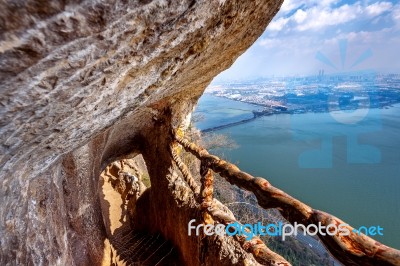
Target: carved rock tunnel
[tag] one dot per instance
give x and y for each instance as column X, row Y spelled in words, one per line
column 145, row 228
column 152, row 228
column 122, row 183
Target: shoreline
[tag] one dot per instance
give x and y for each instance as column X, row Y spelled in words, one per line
column 291, row 112
column 211, row 129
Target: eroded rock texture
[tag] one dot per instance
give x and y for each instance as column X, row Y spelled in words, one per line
column 84, row 83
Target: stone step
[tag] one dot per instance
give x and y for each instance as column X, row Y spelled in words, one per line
column 142, row 248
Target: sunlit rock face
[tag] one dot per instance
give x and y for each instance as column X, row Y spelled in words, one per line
column 86, row 82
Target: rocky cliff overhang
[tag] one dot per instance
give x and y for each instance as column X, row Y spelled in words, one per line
column 84, row 83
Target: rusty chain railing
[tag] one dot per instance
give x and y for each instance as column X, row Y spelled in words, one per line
column 353, row 249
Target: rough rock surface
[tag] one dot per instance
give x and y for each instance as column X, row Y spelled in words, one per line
column 84, row 83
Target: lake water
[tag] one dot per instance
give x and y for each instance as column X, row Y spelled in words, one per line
column 347, row 164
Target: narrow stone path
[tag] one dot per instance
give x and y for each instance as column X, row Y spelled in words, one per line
column 129, row 246
column 142, row 248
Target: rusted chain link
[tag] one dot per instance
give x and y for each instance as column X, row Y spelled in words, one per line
column 353, row 249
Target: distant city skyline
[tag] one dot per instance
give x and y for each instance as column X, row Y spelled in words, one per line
column 308, row 36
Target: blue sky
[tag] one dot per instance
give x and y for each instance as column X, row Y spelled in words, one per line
column 303, row 29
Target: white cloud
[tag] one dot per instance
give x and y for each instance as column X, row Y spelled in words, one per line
column 277, row 25
column 304, row 45
column 289, row 5
column 318, row 18
column 326, row 2
column 300, row 16
column 270, row 42
column 316, row 15
column 396, row 15
column 378, row 8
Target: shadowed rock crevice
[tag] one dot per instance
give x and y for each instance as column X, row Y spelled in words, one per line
column 122, row 184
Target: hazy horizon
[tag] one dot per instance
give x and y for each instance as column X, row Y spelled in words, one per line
column 335, row 36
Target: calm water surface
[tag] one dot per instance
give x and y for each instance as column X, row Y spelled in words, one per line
column 349, row 170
